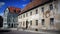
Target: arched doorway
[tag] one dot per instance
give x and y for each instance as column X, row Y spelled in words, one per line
column 1, row 21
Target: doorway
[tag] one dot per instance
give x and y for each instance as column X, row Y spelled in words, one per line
column 26, row 24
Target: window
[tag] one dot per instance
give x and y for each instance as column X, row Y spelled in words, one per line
column 15, row 11
column 42, row 9
column 9, row 25
column 51, row 21
column 19, row 11
column 23, row 23
column 30, row 22
column 5, row 23
column 9, row 20
column 30, row 13
column 36, row 11
column 43, row 21
column 23, row 15
column 36, row 22
column 19, row 16
column 26, row 14
column 51, row 6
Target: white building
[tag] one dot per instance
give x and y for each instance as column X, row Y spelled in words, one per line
column 40, row 14
column 10, row 17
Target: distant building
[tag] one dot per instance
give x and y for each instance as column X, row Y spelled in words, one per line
column 40, row 14
column 10, row 17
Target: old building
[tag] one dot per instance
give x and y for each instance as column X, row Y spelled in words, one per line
column 10, row 17
column 40, row 14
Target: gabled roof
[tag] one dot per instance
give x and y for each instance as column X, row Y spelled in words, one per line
column 33, row 4
column 14, row 10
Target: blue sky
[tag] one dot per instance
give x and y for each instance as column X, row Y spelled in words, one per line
column 15, row 3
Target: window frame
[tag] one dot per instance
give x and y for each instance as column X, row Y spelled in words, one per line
column 51, row 6
column 36, row 11
column 51, row 21
column 31, row 22
column 43, row 21
column 42, row 9
column 31, row 13
column 36, row 22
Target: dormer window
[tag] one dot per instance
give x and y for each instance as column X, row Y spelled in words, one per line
column 51, row 6
column 15, row 11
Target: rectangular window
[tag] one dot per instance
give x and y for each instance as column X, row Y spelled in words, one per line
column 43, row 21
column 36, row 11
column 42, row 9
column 51, row 21
column 23, row 23
column 26, row 14
column 23, row 15
column 30, row 22
column 51, row 6
column 36, row 22
column 19, row 17
column 30, row 13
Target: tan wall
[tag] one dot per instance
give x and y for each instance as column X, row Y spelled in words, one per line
column 39, row 16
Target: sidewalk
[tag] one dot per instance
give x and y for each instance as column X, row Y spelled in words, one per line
column 42, row 31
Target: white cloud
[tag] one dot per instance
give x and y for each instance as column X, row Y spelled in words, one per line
column 1, row 14
column 24, row 5
column 2, row 3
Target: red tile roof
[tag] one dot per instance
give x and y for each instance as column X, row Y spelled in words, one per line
column 33, row 4
column 11, row 9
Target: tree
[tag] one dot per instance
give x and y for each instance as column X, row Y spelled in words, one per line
column 1, row 21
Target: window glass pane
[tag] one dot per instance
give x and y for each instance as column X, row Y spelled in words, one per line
column 51, row 21
column 26, row 14
column 42, row 9
column 36, row 22
column 30, row 22
column 43, row 21
column 30, row 13
column 23, row 15
column 23, row 23
column 36, row 11
column 51, row 6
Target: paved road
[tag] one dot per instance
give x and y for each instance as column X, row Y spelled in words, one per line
column 17, row 32
column 26, row 32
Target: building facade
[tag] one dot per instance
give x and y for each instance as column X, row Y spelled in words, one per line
column 40, row 14
column 10, row 17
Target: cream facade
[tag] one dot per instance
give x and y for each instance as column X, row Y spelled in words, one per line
column 45, row 17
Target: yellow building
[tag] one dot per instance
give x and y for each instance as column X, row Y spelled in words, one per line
column 40, row 14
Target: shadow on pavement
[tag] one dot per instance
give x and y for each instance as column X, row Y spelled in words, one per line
column 5, row 30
